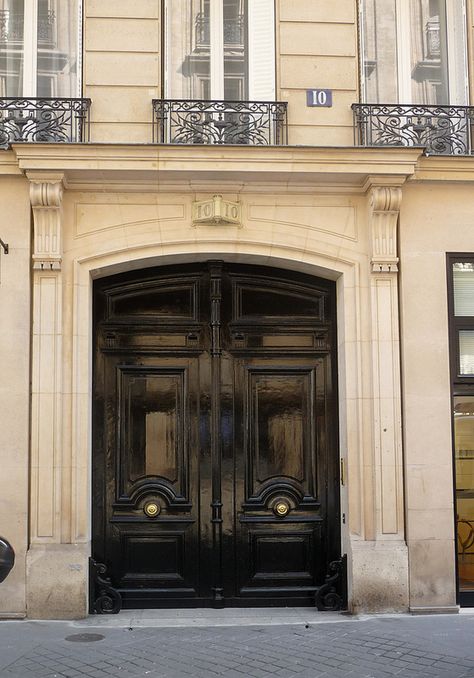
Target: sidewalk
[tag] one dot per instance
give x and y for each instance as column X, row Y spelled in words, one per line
column 235, row 643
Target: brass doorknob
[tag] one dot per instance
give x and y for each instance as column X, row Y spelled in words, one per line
column 151, row 509
column 281, row 508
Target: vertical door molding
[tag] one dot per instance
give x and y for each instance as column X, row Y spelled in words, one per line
column 388, row 463
column 380, row 560
column 46, row 408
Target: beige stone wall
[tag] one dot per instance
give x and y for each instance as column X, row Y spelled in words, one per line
column 435, row 219
column 316, row 47
column 122, row 67
column 317, row 44
column 15, row 320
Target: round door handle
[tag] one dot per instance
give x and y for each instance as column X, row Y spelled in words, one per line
column 281, row 508
column 151, row 509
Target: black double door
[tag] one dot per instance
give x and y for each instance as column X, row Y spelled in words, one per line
column 215, row 474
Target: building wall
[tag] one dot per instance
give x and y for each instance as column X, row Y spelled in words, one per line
column 116, row 218
column 435, row 219
column 326, row 212
column 15, row 320
column 122, row 67
column 316, row 47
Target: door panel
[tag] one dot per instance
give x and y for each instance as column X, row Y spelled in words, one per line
column 215, row 451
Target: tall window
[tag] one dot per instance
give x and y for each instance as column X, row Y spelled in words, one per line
column 414, row 51
column 461, row 284
column 39, row 48
column 220, row 49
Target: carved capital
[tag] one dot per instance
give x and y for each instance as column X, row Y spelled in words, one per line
column 384, row 210
column 46, row 201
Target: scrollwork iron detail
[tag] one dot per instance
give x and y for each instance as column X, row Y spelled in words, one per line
column 442, row 130
column 43, row 120
column 220, row 122
column 104, row 599
column 327, row 597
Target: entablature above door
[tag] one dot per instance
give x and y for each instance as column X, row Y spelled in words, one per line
column 151, row 169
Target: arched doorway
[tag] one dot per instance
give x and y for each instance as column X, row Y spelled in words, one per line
column 215, row 460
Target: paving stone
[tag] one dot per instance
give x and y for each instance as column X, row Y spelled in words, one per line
column 404, row 647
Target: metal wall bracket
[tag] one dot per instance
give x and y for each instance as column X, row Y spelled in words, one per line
column 331, row 596
column 103, row 598
column 4, row 245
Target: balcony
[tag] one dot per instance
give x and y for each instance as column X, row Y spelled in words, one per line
column 255, row 123
column 44, row 120
column 441, row 130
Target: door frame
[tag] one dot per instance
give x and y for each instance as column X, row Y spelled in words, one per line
column 332, row 593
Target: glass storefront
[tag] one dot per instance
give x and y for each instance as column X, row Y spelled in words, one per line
column 461, row 273
column 464, row 467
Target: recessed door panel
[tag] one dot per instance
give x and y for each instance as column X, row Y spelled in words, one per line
column 215, row 459
column 279, row 426
column 152, row 404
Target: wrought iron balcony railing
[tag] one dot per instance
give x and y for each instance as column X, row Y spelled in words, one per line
column 255, row 123
column 40, row 120
column 442, row 130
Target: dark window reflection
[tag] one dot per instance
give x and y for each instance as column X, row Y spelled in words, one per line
column 171, row 302
column 152, row 419
column 267, row 303
column 280, row 412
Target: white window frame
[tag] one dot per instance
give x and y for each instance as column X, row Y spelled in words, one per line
column 30, row 49
column 257, row 90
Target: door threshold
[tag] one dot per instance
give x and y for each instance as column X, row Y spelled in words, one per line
column 204, row 617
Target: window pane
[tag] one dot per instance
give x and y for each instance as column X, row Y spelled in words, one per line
column 57, row 48
column 466, row 352
column 235, row 50
column 11, row 47
column 187, row 45
column 429, row 59
column 152, row 416
column 463, row 286
column 464, row 461
column 414, row 52
column 379, row 51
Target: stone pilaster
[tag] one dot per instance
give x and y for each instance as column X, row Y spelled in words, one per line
column 50, row 563
column 46, row 197
column 380, row 564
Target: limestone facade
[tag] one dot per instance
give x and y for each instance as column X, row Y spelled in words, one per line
column 378, row 221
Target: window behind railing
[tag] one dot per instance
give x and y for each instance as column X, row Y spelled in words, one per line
column 219, row 49
column 414, row 52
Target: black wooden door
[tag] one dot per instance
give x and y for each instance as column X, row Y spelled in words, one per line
column 215, row 474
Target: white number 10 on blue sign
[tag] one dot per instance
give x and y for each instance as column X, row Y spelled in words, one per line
column 319, row 97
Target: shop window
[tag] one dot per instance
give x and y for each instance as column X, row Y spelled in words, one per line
column 461, row 303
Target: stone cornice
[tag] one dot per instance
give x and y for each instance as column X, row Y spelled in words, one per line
column 349, row 169
column 444, row 168
column 336, row 166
